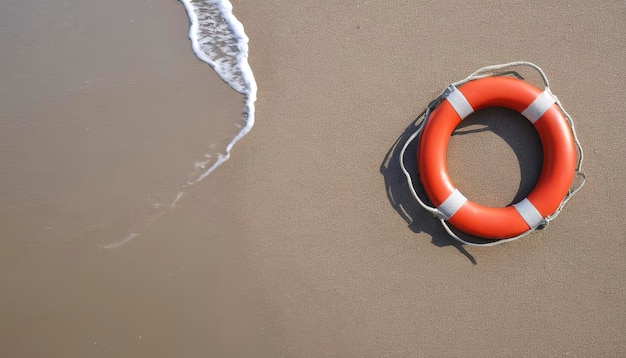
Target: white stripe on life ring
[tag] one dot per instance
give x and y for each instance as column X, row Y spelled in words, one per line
column 529, row 213
column 458, row 101
column 452, row 204
column 539, row 106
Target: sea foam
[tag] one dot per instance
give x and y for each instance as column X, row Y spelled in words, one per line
column 218, row 38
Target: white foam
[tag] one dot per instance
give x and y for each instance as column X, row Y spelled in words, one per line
column 218, row 38
column 178, row 197
column 120, row 243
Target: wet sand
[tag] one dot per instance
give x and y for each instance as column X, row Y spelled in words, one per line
column 105, row 110
column 306, row 243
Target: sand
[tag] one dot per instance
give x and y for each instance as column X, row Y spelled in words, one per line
column 306, row 244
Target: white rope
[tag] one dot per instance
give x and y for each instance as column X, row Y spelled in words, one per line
column 419, row 129
column 489, row 71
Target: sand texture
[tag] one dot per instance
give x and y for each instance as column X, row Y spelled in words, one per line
column 307, row 242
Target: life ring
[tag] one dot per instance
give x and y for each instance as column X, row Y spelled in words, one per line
column 559, row 157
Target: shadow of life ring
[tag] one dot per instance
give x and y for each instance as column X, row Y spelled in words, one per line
column 559, row 157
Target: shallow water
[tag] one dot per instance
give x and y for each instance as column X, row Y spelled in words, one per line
column 99, row 119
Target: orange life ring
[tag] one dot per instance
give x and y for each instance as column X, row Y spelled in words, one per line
column 559, row 157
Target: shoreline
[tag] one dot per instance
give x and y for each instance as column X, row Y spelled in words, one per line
column 294, row 247
column 109, row 135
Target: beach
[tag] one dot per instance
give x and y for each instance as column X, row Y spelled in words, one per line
column 306, row 242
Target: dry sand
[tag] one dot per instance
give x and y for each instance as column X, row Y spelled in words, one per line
column 305, row 244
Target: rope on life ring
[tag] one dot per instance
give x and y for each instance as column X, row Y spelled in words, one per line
column 488, row 88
